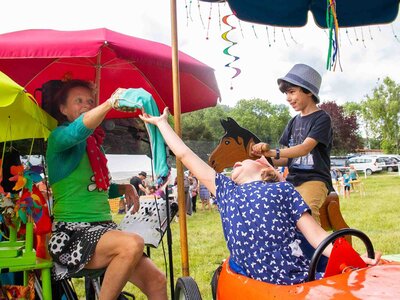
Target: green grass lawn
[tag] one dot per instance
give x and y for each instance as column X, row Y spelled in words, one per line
column 376, row 214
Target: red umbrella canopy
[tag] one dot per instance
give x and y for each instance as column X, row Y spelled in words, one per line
column 110, row 60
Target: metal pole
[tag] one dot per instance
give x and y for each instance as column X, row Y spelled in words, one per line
column 177, row 120
column 169, row 242
column 98, row 75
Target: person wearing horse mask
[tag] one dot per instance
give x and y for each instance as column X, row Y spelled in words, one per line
column 307, row 139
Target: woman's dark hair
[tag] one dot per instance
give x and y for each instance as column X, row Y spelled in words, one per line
column 60, row 97
column 284, row 86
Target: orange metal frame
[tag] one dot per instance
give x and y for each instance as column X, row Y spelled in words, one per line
column 376, row 282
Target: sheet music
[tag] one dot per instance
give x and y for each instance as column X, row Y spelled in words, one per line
column 150, row 221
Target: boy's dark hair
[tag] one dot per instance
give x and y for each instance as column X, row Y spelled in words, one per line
column 284, row 86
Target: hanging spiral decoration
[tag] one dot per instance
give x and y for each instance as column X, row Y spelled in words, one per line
column 226, row 50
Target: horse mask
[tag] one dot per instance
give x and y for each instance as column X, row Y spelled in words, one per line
column 234, row 146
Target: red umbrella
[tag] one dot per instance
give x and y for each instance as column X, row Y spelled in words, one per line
column 109, row 59
column 112, row 60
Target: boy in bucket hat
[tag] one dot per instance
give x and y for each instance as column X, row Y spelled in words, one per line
column 307, row 138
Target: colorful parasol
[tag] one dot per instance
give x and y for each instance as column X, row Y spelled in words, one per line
column 20, row 115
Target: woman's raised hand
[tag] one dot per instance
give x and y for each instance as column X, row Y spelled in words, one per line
column 155, row 120
column 129, row 100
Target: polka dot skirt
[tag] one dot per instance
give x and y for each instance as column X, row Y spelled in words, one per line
column 72, row 245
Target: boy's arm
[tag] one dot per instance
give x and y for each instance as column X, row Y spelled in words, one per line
column 285, row 153
column 195, row 164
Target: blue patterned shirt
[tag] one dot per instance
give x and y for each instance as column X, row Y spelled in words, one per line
column 259, row 222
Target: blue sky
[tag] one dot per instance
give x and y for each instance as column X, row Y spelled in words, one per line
column 364, row 62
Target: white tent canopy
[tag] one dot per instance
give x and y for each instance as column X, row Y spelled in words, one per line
column 123, row 167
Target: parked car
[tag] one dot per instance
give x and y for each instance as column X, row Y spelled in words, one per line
column 338, row 160
column 365, row 163
column 340, row 163
column 388, row 162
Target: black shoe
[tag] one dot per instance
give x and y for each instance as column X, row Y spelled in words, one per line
column 126, row 296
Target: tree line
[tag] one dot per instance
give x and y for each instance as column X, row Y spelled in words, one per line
column 372, row 122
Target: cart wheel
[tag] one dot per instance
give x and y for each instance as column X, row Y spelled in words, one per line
column 186, row 288
column 214, row 282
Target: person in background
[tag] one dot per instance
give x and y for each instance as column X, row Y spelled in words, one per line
column 138, row 183
column 335, row 180
column 205, row 197
column 188, row 196
column 84, row 237
column 149, row 182
column 175, row 189
column 158, row 192
column 45, row 190
column 353, row 173
column 260, row 214
column 334, row 175
column 122, row 205
column 346, row 184
column 353, row 176
column 194, row 188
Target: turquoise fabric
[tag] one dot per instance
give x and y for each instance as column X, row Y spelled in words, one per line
column 141, row 99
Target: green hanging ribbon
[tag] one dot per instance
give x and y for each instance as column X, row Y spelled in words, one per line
column 329, row 23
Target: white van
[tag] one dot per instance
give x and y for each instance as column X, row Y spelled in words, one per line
column 365, row 163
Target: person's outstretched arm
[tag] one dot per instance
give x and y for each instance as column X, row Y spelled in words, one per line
column 315, row 234
column 195, row 164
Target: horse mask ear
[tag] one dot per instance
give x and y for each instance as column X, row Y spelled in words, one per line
column 230, row 123
column 224, row 124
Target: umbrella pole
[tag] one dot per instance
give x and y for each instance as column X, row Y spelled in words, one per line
column 177, row 120
column 98, row 77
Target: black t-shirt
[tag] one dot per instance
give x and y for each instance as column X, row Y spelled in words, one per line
column 315, row 165
column 135, row 181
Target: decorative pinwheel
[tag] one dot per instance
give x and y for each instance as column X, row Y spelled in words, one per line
column 28, row 205
column 20, row 180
